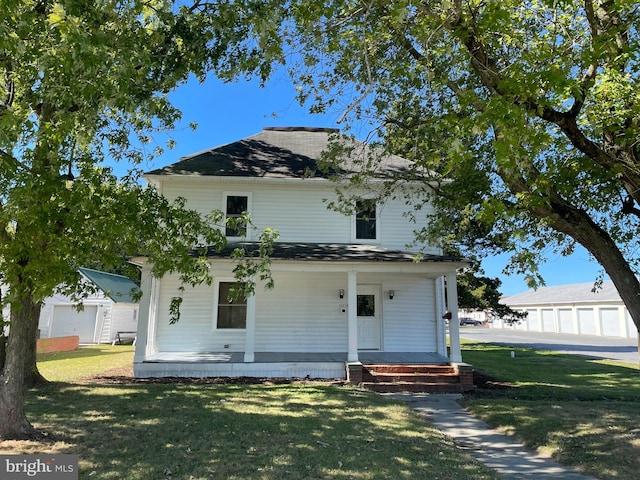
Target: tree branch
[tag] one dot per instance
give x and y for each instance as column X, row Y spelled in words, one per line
column 486, row 68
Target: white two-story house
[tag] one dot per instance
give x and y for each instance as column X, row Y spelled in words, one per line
column 347, row 291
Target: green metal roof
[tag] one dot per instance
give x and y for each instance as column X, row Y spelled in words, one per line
column 118, row 288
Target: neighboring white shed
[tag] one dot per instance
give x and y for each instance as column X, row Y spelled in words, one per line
column 110, row 310
column 574, row 309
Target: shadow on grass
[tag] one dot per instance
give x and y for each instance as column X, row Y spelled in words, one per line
column 191, row 431
column 543, row 374
column 84, row 352
column 581, row 410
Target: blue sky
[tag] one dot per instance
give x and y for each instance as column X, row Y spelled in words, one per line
column 228, row 112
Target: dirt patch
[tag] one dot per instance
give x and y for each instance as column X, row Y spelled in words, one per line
column 484, row 381
column 124, row 375
column 114, row 375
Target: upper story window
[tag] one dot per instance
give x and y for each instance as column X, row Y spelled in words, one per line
column 366, row 220
column 232, row 313
column 235, row 206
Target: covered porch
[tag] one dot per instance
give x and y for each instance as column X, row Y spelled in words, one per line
column 311, row 325
column 381, row 371
column 271, row 364
column 418, row 358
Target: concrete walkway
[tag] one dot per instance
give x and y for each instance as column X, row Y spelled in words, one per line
column 500, row 452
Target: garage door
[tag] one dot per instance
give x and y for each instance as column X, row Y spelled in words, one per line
column 68, row 321
column 610, row 321
column 548, row 321
column 586, row 321
column 565, row 320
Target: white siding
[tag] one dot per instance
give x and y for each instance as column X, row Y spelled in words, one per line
column 397, row 231
column 44, row 323
column 302, row 314
column 298, row 211
column 409, row 320
column 124, row 317
column 202, row 196
column 194, row 331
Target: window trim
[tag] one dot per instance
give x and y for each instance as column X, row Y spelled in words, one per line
column 216, row 305
column 354, row 226
column 226, row 195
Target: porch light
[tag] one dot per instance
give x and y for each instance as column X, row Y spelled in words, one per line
column 392, row 293
column 341, row 292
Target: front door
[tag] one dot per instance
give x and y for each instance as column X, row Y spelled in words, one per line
column 368, row 307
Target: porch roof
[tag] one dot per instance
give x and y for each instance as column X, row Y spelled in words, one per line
column 332, row 251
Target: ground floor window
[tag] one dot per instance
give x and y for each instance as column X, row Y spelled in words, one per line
column 232, row 311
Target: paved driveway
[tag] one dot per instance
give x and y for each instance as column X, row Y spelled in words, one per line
column 623, row 349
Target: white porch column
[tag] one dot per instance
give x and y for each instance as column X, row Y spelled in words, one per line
column 455, row 354
column 147, row 317
column 352, row 328
column 250, row 332
column 441, row 328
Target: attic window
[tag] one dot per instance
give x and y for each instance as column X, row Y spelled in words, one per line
column 235, row 207
column 366, row 224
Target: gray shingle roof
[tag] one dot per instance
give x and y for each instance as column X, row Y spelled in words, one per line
column 278, row 152
column 335, row 251
column 565, row 294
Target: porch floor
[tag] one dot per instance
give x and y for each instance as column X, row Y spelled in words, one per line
column 413, row 358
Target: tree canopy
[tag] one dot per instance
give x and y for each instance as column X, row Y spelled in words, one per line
column 522, row 116
column 82, row 84
column 477, row 292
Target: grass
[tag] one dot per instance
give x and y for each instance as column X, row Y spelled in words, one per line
column 85, row 362
column 581, row 411
column 199, row 430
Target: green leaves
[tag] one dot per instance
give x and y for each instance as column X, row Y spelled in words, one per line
column 86, row 83
column 520, row 120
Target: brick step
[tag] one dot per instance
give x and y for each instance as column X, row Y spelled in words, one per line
column 415, row 387
column 409, row 368
column 377, row 377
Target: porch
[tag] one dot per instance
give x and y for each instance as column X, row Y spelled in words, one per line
column 299, row 357
column 406, row 370
column 270, row 364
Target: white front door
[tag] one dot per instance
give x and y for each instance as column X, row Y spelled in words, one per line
column 368, row 308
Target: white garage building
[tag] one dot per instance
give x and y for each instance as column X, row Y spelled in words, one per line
column 112, row 309
column 573, row 309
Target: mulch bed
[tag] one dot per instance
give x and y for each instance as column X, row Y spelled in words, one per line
column 124, row 376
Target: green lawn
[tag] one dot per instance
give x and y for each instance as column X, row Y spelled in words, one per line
column 199, row 430
column 583, row 412
column 85, row 362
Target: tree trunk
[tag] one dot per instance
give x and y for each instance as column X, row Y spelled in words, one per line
column 3, row 348
column 13, row 421
column 32, row 376
column 578, row 225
